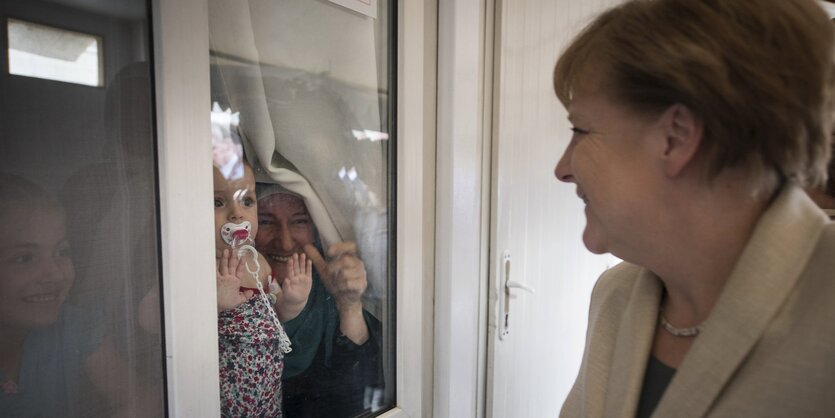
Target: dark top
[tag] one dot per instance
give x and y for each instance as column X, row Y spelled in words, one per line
column 341, row 389
column 326, row 374
column 656, row 380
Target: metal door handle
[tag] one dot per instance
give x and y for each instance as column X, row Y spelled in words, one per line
column 517, row 285
column 505, row 296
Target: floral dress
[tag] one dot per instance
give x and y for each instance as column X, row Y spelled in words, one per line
column 251, row 361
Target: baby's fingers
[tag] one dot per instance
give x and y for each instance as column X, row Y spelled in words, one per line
column 231, row 258
column 224, row 263
column 238, row 266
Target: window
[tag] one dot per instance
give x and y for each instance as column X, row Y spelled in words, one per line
column 80, row 306
column 54, row 54
column 310, row 84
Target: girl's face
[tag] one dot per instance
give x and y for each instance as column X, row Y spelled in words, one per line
column 36, row 272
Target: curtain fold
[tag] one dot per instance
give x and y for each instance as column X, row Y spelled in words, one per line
column 310, row 82
column 242, row 81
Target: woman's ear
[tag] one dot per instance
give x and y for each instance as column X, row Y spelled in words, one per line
column 683, row 131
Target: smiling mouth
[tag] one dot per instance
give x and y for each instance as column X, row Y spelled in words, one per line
column 43, row 298
column 278, row 258
column 583, row 197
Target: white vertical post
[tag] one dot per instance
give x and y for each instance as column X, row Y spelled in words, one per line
column 181, row 53
column 416, row 89
column 463, row 179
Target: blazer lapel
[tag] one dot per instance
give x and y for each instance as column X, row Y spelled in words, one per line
column 765, row 274
column 632, row 347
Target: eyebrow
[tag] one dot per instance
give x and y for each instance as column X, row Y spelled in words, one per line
column 22, row 245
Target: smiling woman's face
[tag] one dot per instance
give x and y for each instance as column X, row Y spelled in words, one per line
column 285, row 228
column 610, row 160
column 36, row 272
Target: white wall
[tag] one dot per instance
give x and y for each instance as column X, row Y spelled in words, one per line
column 536, row 218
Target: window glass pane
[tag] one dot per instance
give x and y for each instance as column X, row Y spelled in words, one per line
column 53, row 54
column 79, row 288
column 305, row 88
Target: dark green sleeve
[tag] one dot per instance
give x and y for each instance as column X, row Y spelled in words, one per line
column 309, row 329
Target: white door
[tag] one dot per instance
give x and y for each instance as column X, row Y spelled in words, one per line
column 534, row 350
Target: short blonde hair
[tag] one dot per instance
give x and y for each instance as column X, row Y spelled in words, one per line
column 759, row 74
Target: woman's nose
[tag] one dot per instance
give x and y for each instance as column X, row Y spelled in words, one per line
column 563, row 171
column 286, row 240
column 52, row 271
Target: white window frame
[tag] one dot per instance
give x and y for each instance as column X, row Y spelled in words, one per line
column 464, row 179
column 181, row 52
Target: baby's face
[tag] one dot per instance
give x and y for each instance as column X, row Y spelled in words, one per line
column 234, row 203
column 36, row 272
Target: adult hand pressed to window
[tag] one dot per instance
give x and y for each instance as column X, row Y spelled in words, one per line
column 344, row 277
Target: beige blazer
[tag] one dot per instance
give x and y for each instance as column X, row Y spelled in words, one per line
column 767, row 349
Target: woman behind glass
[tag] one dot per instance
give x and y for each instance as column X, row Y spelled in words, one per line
column 696, row 126
column 335, row 366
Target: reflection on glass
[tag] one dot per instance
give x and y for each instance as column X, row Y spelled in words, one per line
column 310, row 80
column 81, row 335
column 53, row 54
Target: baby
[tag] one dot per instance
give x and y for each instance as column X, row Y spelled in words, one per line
column 240, row 270
column 252, row 342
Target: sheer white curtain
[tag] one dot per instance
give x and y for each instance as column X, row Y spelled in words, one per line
column 309, row 81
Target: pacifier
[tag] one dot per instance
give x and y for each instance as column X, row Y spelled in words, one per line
column 238, row 236
column 233, row 234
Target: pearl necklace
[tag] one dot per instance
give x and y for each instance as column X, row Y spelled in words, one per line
column 678, row 332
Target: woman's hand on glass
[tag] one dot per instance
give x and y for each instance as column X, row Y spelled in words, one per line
column 345, row 278
column 343, row 274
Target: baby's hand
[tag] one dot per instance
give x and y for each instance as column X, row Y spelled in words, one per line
column 229, row 293
column 295, row 288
